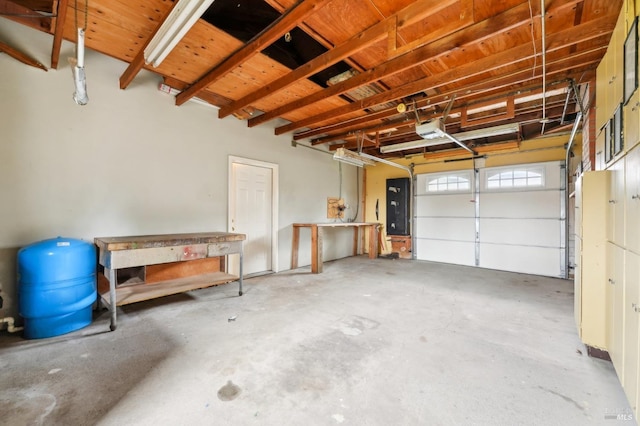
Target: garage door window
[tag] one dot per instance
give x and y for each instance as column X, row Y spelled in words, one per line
column 450, row 182
column 527, row 177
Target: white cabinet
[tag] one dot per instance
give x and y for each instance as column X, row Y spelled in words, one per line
column 617, row 203
column 609, row 75
column 632, row 200
column 630, row 312
column 631, row 114
column 592, row 205
column 615, row 307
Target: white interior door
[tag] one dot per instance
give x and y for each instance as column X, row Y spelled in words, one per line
column 252, row 212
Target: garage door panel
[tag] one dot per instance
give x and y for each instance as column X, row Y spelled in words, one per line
column 458, row 252
column 553, row 174
column 422, row 181
column 518, row 218
column 530, row 204
column 528, row 260
column 457, row 205
column 532, row 232
column 459, row 229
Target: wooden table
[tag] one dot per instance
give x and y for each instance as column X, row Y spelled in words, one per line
column 168, row 264
column 317, row 236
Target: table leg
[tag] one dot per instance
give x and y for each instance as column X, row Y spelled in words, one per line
column 240, row 271
column 316, row 249
column 112, row 298
column 295, row 241
column 373, row 241
column 356, row 230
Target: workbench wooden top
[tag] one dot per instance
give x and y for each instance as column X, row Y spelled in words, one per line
column 336, row 224
column 165, row 240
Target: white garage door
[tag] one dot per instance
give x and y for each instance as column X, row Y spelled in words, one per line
column 508, row 218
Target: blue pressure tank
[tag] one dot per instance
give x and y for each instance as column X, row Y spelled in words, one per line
column 56, row 286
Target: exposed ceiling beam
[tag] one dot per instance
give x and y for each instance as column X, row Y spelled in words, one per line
column 59, row 32
column 298, row 13
column 406, row 133
column 519, row 54
column 487, row 89
column 314, row 34
column 16, row 54
column 509, row 19
column 407, row 16
column 494, row 87
column 19, row 12
column 501, row 23
column 138, row 62
column 39, row 5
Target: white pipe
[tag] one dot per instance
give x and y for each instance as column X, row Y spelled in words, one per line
column 544, row 65
column 80, row 48
column 11, row 328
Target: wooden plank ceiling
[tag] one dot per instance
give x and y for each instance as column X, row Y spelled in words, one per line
column 358, row 73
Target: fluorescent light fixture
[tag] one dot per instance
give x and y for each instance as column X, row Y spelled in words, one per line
column 350, row 157
column 387, row 162
column 182, row 17
column 443, row 137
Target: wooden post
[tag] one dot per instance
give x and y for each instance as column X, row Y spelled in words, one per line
column 316, row 250
column 373, row 241
column 356, row 230
column 295, row 242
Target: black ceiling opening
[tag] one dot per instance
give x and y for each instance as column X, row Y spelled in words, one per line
column 244, row 19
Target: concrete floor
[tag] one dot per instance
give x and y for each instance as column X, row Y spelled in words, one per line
column 367, row 342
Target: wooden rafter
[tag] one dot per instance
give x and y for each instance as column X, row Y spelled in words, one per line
column 16, row 54
column 511, row 18
column 314, row 34
column 408, row 124
column 523, row 52
column 407, row 16
column 501, row 23
column 39, row 5
column 290, row 19
column 58, row 33
column 21, row 12
column 138, row 62
column 493, row 87
column 514, row 81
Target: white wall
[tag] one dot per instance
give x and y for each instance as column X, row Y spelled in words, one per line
column 131, row 162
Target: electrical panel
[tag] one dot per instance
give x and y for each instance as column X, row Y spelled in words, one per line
column 398, row 206
column 335, row 208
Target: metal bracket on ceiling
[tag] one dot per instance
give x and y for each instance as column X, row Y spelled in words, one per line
column 447, row 109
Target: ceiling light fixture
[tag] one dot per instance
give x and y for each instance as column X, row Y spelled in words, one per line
column 436, row 137
column 182, row 17
column 349, row 157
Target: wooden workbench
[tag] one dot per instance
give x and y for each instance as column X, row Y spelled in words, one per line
column 317, row 237
column 167, row 264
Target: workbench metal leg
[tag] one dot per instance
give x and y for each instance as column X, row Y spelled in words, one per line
column 112, row 298
column 240, row 270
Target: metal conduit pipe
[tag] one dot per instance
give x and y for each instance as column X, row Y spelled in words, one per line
column 544, row 119
column 408, row 169
column 574, row 131
column 572, row 138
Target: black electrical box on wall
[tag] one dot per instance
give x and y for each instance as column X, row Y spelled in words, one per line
column 398, row 206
